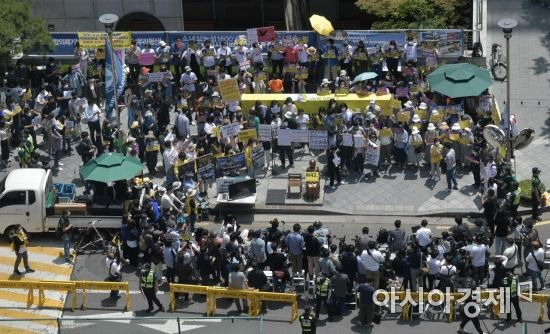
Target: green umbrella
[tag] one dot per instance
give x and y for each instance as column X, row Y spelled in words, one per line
column 110, row 167
column 364, row 76
column 459, row 80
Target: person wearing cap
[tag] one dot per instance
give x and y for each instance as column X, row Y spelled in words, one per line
column 308, row 321
column 537, row 192
column 152, row 148
column 400, row 143
column 464, row 146
column 163, row 54
column 190, row 208
column 208, row 55
column 343, row 79
column 56, row 142
column 166, row 83
column 188, row 81
column 415, row 146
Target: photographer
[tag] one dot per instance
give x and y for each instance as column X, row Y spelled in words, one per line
column 478, row 254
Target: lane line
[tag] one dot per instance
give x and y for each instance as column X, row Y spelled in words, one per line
column 5, row 313
column 13, row 330
column 22, row 299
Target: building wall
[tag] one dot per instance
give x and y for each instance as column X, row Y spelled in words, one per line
column 83, row 15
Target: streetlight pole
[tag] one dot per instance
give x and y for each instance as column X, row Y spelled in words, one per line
column 109, row 21
column 507, row 26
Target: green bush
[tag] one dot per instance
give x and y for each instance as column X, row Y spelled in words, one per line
column 525, row 186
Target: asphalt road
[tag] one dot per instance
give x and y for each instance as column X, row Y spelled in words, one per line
column 90, row 267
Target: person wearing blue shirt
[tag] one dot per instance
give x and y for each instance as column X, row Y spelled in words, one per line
column 366, row 302
column 330, row 59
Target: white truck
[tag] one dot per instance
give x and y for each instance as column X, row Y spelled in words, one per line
column 27, row 197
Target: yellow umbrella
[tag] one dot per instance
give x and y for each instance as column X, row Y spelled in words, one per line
column 321, row 24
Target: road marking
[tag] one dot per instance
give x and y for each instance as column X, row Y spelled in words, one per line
column 546, row 222
column 13, row 330
column 54, row 252
column 440, row 227
column 49, row 265
column 171, row 327
column 40, row 266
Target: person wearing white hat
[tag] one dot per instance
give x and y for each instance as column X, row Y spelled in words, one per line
column 429, row 137
column 409, row 105
column 345, row 53
column 324, row 87
column 343, row 80
column 163, row 54
column 415, row 147
column 464, row 147
column 415, row 118
column 188, row 81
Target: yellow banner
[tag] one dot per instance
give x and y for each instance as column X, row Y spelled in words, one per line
column 421, row 113
column 245, row 135
column 229, row 89
column 96, row 40
column 312, row 176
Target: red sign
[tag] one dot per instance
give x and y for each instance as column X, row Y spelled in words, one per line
column 266, row 34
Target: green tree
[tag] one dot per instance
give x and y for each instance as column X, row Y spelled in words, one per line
column 418, row 14
column 20, row 31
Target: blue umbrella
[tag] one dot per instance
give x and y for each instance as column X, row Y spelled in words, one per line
column 364, row 76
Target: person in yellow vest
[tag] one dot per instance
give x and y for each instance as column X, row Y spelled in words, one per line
column 182, row 159
column 152, row 148
column 148, row 286
column 510, row 281
column 248, row 157
column 436, row 151
column 19, row 243
column 307, row 321
column 190, row 208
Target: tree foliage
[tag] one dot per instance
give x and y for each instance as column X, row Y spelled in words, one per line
column 20, row 31
column 417, row 14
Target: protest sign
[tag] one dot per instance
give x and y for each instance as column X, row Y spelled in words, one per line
column 284, row 137
column 173, row 156
column 265, row 132
column 229, row 90
column 436, row 118
column 263, row 34
column 394, row 103
column 403, row 116
column 156, row 76
column 245, row 135
column 146, row 58
column 451, row 110
column 205, row 167
column 347, row 139
column 258, row 157
column 385, row 133
column 421, row 113
column 187, row 170
column 402, row 92
column 244, row 65
column 373, row 154
column 230, row 130
column 318, row 140
column 230, row 162
column 313, row 176
column 96, row 40
column 358, row 141
column 299, row 136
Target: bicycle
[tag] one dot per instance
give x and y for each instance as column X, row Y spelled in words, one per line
column 92, row 239
column 498, row 63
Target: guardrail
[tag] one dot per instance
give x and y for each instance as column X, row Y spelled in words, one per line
column 254, row 297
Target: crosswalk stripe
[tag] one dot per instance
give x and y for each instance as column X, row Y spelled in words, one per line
column 21, row 298
column 5, row 313
column 29, row 277
column 45, row 312
column 40, row 266
column 51, row 251
column 14, row 330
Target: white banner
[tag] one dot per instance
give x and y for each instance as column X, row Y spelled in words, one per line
column 373, row 154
